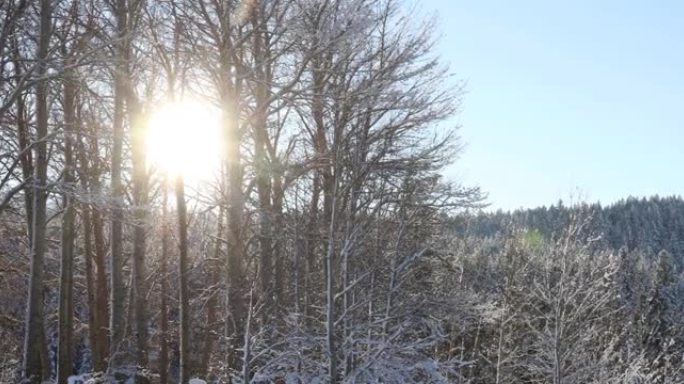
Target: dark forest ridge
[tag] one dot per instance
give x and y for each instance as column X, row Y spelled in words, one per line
column 648, row 224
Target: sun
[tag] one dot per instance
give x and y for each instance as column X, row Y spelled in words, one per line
column 184, row 139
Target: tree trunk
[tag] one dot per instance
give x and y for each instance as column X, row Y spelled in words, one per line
column 261, row 163
column 213, row 300
column 101, row 294
column 139, row 232
column 236, row 257
column 279, row 266
column 184, row 299
column 93, row 228
column 35, row 369
column 66, row 303
column 88, row 256
column 247, row 346
column 330, row 300
column 229, row 89
column 163, row 313
column 117, row 288
column 312, row 239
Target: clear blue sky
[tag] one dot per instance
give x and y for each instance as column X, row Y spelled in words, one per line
column 567, row 96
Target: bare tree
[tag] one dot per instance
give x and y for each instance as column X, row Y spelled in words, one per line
column 66, row 301
column 185, row 365
column 117, row 291
column 34, row 369
column 164, row 288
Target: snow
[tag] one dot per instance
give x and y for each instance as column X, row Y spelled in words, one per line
column 79, row 379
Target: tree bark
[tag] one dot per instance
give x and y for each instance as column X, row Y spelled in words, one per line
column 235, row 248
column 163, row 313
column 95, row 249
column 35, row 369
column 279, row 265
column 101, row 293
column 261, row 163
column 117, row 291
column 330, row 305
column 140, row 221
column 88, row 256
column 212, row 303
column 66, row 302
column 185, row 368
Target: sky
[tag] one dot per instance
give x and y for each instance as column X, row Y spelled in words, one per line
column 575, row 100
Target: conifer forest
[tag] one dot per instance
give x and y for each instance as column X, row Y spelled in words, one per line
column 311, row 237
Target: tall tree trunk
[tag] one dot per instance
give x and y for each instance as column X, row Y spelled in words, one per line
column 261, row 163
column 164, row 271
column 230, row 91
column 140, row 219
column 247, row 346
column 312, row 239
column 213, row 300
column 323, row 179
column 279, row 266
column 184, row 299
column 88, row 256
column 93, row 228
column 101, row 293
column 34, row 369
column 265, row 234
column 236, row 257
column 117, row 291
column 66, row 302
column 117, row 286
column 330, row 303
column 346, row 300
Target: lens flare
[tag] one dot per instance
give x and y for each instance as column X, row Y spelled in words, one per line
column 184, row 139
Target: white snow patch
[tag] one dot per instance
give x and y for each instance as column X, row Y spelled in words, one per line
column 80, row 379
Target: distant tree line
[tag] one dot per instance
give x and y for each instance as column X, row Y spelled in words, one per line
column 648, row 225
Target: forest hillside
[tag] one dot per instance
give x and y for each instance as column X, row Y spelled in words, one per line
column 647, row 225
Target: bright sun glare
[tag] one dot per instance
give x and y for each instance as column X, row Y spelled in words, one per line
column 184, row 139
